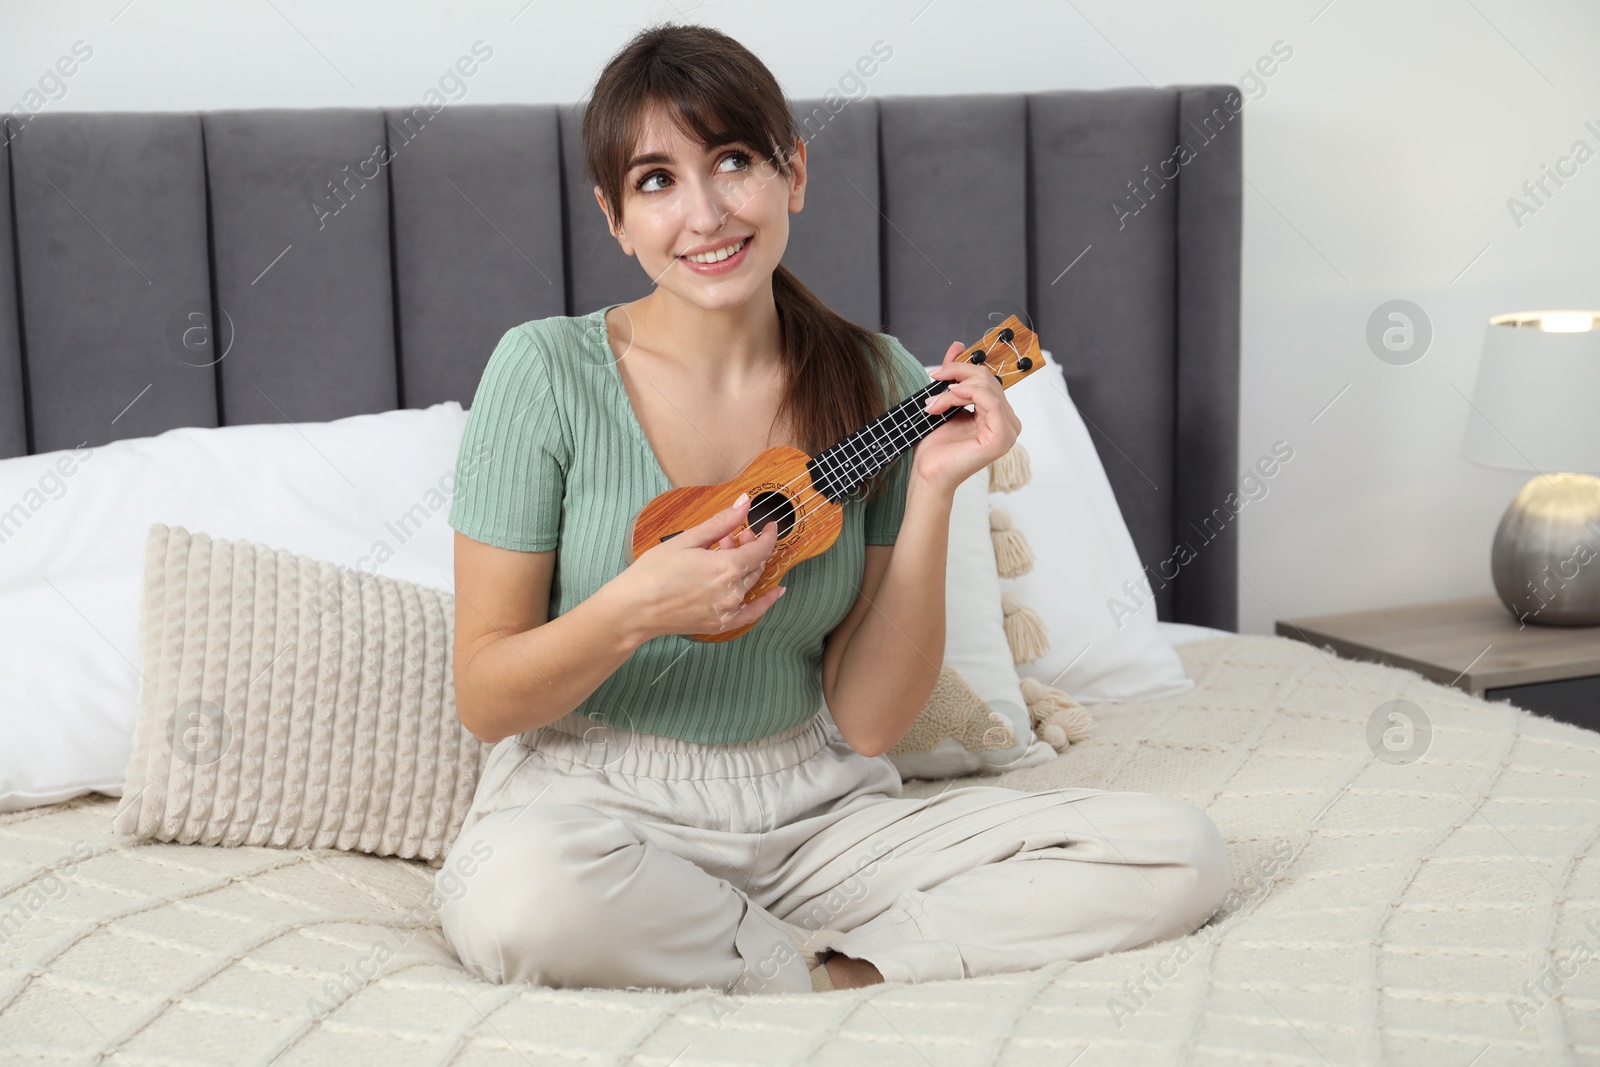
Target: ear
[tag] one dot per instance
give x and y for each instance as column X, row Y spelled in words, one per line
column 600, row 199
column 797, row 184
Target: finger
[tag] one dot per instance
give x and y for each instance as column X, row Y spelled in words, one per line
column 767, row 546
column 955, row 350
column 968, row 394
column 756, row 608
column 959, row 370
column 755, row 551
column 752, row 575
column 713, row 530
column 986, row 402
column 994, row 414
column 752, row 554
column 979, row 381
column 958, row 394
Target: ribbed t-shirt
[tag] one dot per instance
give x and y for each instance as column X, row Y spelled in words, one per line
column 553, row 457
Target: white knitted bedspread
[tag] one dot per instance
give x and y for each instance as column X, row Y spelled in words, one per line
column 1443, row 911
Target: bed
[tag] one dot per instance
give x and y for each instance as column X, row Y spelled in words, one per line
column 1443, row 909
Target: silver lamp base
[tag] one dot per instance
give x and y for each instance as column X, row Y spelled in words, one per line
column 1546, row 556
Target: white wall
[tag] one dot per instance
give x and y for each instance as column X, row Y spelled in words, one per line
column 1380, row 157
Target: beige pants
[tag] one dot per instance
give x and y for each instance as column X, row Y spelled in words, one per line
column 605, row 858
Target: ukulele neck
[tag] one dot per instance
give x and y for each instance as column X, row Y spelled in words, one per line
column 841, row 469
column 1010, row 351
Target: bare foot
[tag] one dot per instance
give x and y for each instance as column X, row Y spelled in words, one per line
column 848, row 972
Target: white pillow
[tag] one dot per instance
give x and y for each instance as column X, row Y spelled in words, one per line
column 1083, row 554
column 368, row 491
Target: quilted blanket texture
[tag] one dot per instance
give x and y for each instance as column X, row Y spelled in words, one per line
column 1437, row 907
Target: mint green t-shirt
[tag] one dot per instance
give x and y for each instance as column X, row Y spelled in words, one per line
column 553, row 456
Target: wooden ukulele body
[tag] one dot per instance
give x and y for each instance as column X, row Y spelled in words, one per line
column 781, row 491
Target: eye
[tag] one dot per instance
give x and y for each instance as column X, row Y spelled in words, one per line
column 743, row 157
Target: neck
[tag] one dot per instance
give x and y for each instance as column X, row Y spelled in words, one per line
column 735, row 343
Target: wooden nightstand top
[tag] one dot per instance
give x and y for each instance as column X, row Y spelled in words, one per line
column 1474, row 644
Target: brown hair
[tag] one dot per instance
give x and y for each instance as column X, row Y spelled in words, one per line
column 715, row 89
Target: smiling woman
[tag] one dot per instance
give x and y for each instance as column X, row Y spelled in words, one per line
column 687, row 163
column 669, row 813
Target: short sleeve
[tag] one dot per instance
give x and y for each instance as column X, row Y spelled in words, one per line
column 884, row 512
column 515, row 452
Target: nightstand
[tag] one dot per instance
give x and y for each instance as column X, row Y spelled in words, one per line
column 1475, row 645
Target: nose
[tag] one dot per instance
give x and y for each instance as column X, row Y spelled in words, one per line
column 707, row 210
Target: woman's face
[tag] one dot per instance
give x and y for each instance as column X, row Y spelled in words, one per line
column 679, row 199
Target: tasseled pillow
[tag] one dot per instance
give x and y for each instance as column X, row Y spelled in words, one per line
column 1057, row 718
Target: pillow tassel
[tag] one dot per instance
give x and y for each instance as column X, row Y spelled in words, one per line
column 1025, row 630
column 1013, row 556
column 1058, row 720
column 1011, row 471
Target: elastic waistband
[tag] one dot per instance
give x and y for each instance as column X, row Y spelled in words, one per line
column 576, row 738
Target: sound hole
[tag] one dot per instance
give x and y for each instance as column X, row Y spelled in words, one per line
column 771, row 507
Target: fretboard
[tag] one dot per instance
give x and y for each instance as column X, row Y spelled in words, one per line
column 841, row 469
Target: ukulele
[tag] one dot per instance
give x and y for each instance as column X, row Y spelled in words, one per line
column 802, row 493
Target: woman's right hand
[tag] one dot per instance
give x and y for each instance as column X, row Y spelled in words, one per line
column 682, row 587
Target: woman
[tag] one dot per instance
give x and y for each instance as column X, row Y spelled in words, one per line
column 665, row 813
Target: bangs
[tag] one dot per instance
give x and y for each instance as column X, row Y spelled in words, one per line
column 705, row 96
column 699, row 115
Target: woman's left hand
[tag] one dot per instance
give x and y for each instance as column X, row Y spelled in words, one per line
column 969, row 440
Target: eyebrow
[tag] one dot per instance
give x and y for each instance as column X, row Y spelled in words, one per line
column 658, row 157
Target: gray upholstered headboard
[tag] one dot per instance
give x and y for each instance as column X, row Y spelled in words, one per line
column 359, row 260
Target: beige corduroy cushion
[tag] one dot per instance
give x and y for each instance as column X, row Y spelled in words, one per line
column 294, row 703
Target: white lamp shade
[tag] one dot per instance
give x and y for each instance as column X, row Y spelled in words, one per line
column 1536, row 405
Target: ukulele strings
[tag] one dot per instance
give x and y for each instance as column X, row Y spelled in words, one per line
column 916, row 397
column 944, row 415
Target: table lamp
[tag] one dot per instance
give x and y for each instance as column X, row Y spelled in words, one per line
column 1537, row 408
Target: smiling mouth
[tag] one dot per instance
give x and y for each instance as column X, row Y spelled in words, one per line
column 726, row 252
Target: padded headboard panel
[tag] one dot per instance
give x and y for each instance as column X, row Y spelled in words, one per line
column 168, row 269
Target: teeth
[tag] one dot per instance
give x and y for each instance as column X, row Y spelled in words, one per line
column 718, row 256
